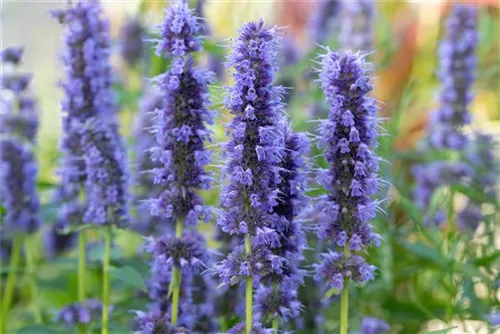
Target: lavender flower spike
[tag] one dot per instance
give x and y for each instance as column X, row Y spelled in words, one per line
column 356, row 26
column 179, row 160
column 349, row 136
column 457, row 72
column 278, row 301
column 18, row 172
column 87, row 94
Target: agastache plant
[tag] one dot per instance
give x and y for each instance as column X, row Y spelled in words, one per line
column 356, row 25
column 446, row 129
column 456, row 73
column 180, row 127
column 18, row 175
column 323, row 22
column 93, row 170
column 349, row 137
column 254, row 154
column 144, row 186
column 278, row 300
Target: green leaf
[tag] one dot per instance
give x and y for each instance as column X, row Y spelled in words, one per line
column 486, row 260
column 440, row 331
column 330, row 293
column 432, row 255
column 128, row 275
column 474, row 194
column 37, row 329
column 46, row 185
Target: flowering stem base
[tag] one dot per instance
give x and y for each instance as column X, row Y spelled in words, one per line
column 81, row 266
column 105, row 279
column 176, row 280
column 11, row 281
column 344, row 301
column 249, row 290
column 31, row 271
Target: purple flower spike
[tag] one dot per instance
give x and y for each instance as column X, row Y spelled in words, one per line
column 106, row 184
column 179, row 31
column 351, row 179
column 18, row 173
column 281, row 302
column 356, row 25
column 457, row 73
column 131, row 40
column 143, row 184
column 180, row 130
column 323, row 22
column 87, row 94
column 178, row 162
column 254, row 154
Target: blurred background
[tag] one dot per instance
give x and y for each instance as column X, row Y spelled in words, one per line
column 408, row 292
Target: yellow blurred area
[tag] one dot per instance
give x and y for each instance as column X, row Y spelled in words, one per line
column 226, row 17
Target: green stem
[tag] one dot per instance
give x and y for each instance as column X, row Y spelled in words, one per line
column 31, row 271
column 344, row 301
column 81, row 266
column 452, row 229
column 10, row 284
column 249, row 290
column 176, row 279
column 105, row 279
column 275, row 325
column 275, row 320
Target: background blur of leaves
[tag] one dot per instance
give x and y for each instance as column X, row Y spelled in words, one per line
column 409, row 290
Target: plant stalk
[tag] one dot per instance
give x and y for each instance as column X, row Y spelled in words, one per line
column 249, row 290
column 10, row 283
column 176, row 275
column 105, row 279
column 81, row 266
column 31, row 271
column 344, row 301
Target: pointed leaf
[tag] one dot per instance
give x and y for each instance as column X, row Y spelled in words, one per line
column 128, row 275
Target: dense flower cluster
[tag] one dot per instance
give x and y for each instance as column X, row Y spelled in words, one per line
column 131, row 40
column 144, row 186
column 154, row 322
column 281, row 302
column 356, row 25
column 371, row 325
column 177, row 167
column 254, row 153
column 18, row 173
column 436, row 174
column 457, row 67
column 323, row 22
column 79, row 314
column 256, row 329
column 18, row 116
column 179, row 31
column 87, row 94
column 187, row 253
column 181, row 132
column 105, row 167
column 12, row 55
column 485, row 171
column 348, row 135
